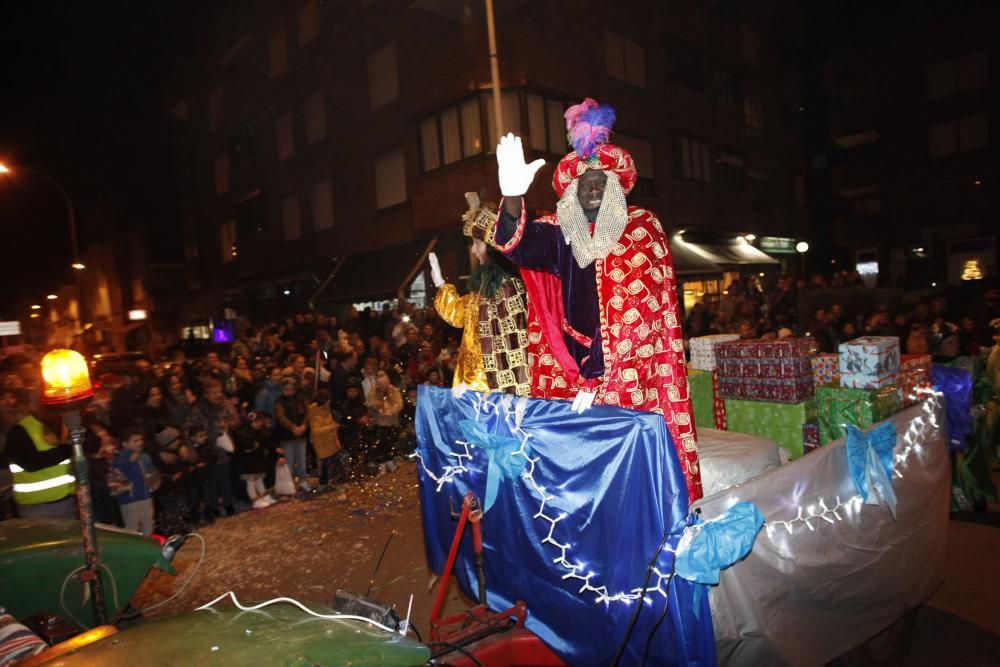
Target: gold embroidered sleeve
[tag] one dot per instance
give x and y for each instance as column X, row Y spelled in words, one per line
column 451, row 306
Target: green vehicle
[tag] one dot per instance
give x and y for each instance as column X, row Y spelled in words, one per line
column 39, row 565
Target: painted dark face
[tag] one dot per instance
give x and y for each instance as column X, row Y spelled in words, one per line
column 590, row 191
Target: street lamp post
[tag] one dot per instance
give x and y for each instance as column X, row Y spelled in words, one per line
column 802, row 248
column 71, row 214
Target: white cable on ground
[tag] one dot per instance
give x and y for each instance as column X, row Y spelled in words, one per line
column 332, row 617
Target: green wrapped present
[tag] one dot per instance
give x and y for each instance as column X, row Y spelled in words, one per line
column 840, row 406
column 780, row 422
column 702, row 397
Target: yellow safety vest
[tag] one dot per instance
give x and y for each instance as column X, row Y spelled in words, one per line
column 48, row 484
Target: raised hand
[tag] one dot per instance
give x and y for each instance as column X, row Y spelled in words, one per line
column 436, row 276
column 515, row 175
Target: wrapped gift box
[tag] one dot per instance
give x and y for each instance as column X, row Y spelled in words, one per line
column 702, row 397
column 703, row 350
column 825, row 368
column 780, row 422
column 810, row 436
column 869, row 362
column 767, row 349
column 766, row 370
column 709, row 408
column 839, row 406
column 914, row 377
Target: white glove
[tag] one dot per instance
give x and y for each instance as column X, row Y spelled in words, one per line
column 436, row 276
column 515, row 175
column 583, row 401
column 459, row 389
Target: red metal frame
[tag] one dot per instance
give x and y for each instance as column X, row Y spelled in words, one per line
column 498, row 639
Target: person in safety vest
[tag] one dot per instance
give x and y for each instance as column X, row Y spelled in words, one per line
column 44, row 485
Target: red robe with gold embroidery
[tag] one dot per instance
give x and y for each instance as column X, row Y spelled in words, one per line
column 640, row 331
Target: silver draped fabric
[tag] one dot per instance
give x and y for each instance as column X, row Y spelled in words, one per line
column 807, row 595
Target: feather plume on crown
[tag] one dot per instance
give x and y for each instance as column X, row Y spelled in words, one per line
column 588, row 125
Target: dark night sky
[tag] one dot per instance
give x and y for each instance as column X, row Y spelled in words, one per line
column 80, row 102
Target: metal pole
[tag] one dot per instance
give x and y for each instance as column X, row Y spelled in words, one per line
column 494, row 69
column 91, row 574
column 71, row 213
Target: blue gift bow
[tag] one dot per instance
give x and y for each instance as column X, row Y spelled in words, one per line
column 500, row 450
column 870, row 461
column 718, row 543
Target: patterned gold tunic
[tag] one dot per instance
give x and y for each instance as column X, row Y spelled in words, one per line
column 493, row 354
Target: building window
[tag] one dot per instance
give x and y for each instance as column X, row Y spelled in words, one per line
column 729, row 171
column 138, row 289
column 962, row 136
column 546, row 124
column 625, row 59
column 285, row 135
column 291, row 217
column 321, row 201
column 315, row 113
column 277, row 53
column 960, row 75
column 684, row 66
column 692, row 160
column 753, row 115
column 215, row 101
column 451, row 135
column 222, row 175
column 974, row 132
column 227, row 239
column 642, row 154
column 390, row 179
column 383, row 77
column 858, row 139
column 725, row 87
column 307, row 19
column 865, row 200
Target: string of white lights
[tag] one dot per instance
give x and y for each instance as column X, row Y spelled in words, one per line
column 573, row 570
column 915, row 434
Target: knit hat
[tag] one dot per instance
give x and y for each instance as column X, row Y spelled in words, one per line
column 167, row 437
column 588, row 127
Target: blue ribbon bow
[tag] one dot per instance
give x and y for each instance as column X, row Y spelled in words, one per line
column 501, row 451
column 870, row 462
column 714, row 545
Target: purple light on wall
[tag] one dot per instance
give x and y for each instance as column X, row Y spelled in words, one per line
column 221, row 335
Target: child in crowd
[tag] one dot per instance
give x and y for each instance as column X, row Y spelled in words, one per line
column 253, row 444
column 323, row 431
column 136, row 504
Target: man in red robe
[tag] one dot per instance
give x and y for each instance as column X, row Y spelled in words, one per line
column 603, row 325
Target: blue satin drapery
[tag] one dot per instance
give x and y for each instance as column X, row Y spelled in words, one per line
column 614, row 473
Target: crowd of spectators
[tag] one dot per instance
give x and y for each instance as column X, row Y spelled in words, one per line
column 924, row 324
column 289, row 408
column 314, row 402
